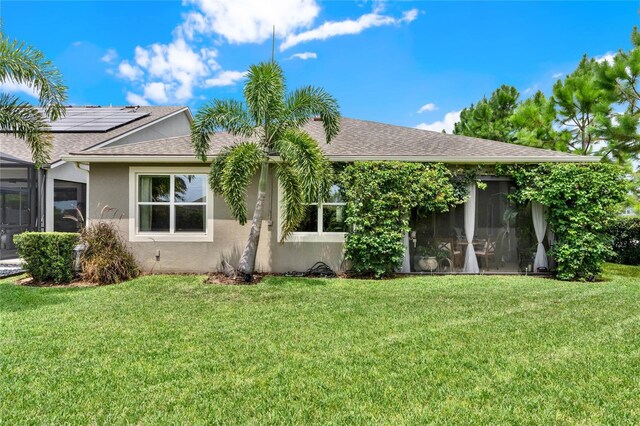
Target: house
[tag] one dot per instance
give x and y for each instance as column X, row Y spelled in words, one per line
column 33, row 199
column 175, row 224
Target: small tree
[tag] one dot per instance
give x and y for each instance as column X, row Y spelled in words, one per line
column 268, row 124
column 23, row 64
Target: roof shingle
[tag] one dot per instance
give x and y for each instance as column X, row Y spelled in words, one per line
column 360, row 139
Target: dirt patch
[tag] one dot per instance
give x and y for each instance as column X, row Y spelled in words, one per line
column 222, row 279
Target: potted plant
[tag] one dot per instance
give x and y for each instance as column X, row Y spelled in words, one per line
column 428, row 258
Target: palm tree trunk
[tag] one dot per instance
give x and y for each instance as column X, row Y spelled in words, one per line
column 247, row 262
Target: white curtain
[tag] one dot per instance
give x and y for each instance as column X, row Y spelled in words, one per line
column 540, row 226
column 470, row 260
column 406, row 262
column 145, row 194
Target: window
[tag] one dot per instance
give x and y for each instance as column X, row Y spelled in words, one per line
column 172, row 206
column 324, row 221
column 69, row 204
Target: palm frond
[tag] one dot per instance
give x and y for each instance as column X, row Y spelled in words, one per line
column 301, row 152
column 26, row 122
column 307, row 102
column 292, row 202
column 219, row 115
column 231, row 174
column 264, row 92
column 23, row 64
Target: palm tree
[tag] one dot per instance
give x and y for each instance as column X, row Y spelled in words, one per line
column 268, row 127
column 22, row 64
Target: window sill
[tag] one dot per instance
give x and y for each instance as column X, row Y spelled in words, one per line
column 176, row 238
column 315, row 237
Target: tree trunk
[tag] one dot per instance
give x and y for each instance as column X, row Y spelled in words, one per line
column 247, row 262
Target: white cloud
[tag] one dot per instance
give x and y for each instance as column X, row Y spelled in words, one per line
column 304, row 56
column 348, row 26
column 156, row 92
column 110, row 56
column 607, row 57
column 446, row 124
column 135, row 99
column 427, row 107
column 225, row 78
column 11, row 86
column 178, row 66
column 557, row 75
column 185, row 64
column 249, row 21
column 128, row 71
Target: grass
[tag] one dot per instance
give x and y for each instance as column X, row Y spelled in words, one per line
column 457, row 350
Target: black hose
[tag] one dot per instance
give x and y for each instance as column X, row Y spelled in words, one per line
column 319, row 269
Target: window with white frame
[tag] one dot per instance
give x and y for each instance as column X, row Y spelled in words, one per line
column 171, row 203
column 325, row 217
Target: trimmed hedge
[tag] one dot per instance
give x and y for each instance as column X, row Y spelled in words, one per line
column 48, row 256
column 625, row 232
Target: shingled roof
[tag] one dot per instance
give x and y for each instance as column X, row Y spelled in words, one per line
column 64, row 143
column 357, row 140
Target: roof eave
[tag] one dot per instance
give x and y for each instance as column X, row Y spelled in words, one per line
column 86, row 158
column 471, row 159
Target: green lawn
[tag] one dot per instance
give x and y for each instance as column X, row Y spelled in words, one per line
column 459, row 350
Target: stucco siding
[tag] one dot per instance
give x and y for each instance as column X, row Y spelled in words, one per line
column 110, row 186
column 177, row 125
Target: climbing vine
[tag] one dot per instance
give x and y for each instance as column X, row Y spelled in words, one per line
column 582, row 200
column 380, row 196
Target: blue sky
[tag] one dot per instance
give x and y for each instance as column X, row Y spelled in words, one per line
column 383, row 61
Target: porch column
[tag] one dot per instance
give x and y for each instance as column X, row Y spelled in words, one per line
column 540, row 226
column 470, row 259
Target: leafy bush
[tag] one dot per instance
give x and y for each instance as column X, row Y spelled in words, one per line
column 380, row 196
column 48, row 256
column 107, row 259
column 625, row 233
column 583, row 199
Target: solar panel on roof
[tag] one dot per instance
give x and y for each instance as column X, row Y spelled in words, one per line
column 82, row 119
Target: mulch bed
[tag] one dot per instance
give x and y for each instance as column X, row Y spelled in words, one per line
column 30, row 282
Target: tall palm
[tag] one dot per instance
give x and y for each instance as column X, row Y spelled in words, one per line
column 268, row 125
column 22, row 64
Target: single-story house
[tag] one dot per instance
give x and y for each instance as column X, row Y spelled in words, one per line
column 175, row 224
column 38, row 200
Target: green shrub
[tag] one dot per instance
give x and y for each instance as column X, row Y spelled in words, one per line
column 379, row 197
column 625, row 234
column 107, row 259
column 582, row 199
column 48, row 256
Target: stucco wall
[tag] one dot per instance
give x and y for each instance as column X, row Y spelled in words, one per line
column 109, row 185
column 177, row 125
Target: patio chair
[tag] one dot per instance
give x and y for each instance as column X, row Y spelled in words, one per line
column 449, row 247
column 486, row 250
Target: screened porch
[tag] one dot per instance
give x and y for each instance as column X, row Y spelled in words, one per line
column 488, row 234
